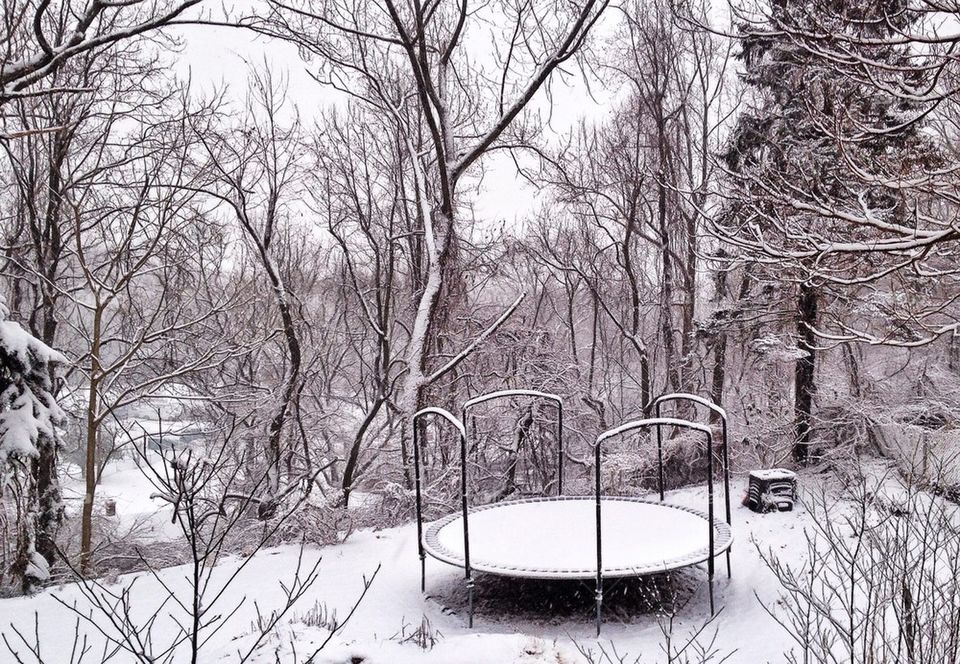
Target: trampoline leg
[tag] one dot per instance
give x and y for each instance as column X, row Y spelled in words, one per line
column 423, row 573
column 599, row 609
column 470, row 603
column 728, row 564
column 712, row 611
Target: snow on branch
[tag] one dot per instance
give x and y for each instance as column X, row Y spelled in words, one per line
column 462, row 355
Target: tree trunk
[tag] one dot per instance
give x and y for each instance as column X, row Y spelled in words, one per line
column 666, row 253
column 48, row 248
column 415, row 381
column 645, row 391
column 275, row 431
column 49, row 499
column 90, row 462
column 635, row 313
column 688, row 339
column 349, row 469
column 666, row 296
column 596, row 405
column 273, row 444
column 718, row 377
column 805, row 386
column 719, row 374
column 521, row 434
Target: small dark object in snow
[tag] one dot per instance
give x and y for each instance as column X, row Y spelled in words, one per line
column 772, row 490
column 110, row 507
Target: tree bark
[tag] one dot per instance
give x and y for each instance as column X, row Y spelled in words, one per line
column 48, row 247
column 805, row 386
column 49, row 499
column 666, row 295
column 275, row 431
column 353, row 456
column 415, row 381
column 688, row 313
column 90, row 461
column 671, row 362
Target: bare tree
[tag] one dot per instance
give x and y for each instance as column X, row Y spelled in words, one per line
column 53, row 158
column 256, row 171
column 210, row 504
column 362, row 189
column 42, row 36
column 641, row 183
column 407, row 63
column 880, row 582
column 138, row 247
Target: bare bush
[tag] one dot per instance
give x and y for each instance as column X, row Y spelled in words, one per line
column 696, row 646
column 424, row 635
column 880, row 579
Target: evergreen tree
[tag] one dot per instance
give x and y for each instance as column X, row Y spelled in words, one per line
column 803, row 200
column 29, row 417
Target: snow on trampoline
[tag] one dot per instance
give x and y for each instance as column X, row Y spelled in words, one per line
column 554, row 538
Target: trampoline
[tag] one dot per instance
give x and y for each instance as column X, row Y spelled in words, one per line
column 553, row 538
column 574, row 537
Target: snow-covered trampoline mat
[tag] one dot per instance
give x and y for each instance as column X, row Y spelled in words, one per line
column 556, row 537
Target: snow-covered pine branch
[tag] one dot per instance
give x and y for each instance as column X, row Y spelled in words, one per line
column 29, row 432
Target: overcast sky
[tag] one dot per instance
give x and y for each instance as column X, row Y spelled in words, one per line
column 220, row 58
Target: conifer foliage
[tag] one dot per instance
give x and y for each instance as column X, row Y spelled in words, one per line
column 817, row 164
column 29, row 417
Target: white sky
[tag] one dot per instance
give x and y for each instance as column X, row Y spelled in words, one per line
column 218, row 58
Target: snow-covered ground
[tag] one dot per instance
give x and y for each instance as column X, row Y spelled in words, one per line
column 124, row 483
column 394, row 605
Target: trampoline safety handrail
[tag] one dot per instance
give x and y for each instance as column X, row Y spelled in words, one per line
column 537, row 394
column 686, row 396
column 461, row 426
column 648, row 422
column 641, row 424
column 489, row 396
column 447, row 415
column 725, row 443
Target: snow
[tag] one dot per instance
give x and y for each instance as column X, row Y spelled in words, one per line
column 37, row 567
column 22, row 423
column 26, row 349
column 776, row 350
column 771, row 474
column 26, row 409
column 394, row 604
column 124, row 483
column 558, row 537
